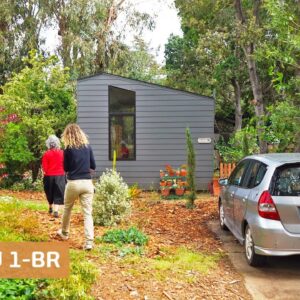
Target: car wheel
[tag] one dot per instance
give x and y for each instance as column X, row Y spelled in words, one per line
column 222, row 216
column 252, row 258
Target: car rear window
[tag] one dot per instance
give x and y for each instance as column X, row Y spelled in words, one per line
column 287, row 181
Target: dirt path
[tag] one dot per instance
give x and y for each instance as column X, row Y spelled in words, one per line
column 170, row 226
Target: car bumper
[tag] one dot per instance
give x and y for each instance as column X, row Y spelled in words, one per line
column 271, row 238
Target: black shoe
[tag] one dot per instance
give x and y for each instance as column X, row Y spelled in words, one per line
column 55, row 214
column 50, row 211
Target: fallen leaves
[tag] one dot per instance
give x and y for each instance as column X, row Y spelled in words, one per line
column 169, row 224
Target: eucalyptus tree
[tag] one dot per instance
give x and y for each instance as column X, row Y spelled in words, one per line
column 89, row 36
column 21, row 23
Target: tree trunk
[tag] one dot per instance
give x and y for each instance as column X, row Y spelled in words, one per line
column 35, row 168
column 258, row 97
column 238, row 107
column 112, row 14
column 254, row 78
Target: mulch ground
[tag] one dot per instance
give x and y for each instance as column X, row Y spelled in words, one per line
column 168, row 224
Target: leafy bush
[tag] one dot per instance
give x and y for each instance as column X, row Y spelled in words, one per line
column 122, row 236
column 25, row 289
column 284, row 129
column 241, row 144
column 111, row 201
column 26, row 183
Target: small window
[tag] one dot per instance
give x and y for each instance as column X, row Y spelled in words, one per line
column 287, row 181
column 121, row 123
column 256, row 174
column 237, row 176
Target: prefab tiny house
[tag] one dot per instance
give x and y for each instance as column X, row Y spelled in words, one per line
column 145, row 123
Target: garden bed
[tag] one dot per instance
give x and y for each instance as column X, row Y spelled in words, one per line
column 183, row 259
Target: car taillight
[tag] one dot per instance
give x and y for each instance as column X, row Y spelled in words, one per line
column 266, row 207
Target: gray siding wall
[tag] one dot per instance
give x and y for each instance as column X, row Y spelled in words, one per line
column 162, row 115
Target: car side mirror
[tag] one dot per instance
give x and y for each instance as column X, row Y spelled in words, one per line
column 223, row 181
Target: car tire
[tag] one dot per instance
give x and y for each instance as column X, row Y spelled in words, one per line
column 252, row 258
column 222, row 217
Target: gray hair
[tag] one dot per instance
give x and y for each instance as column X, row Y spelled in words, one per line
column 53, row 142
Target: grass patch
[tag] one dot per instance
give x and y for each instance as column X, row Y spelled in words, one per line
column 180, row 264
column 77, row 285
column 185, row 263
column 16, row 225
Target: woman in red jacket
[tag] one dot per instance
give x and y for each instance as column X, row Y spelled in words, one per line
column 54, row 175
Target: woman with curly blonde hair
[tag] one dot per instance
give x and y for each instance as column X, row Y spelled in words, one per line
column 79, row 163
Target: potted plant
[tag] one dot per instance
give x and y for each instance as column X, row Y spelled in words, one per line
column 183, row 171
column 216, row 185
column 169, row 182
column 161, row 173
column 163, row 183
column 179, row 191
column 170, row 170
column 177, row 172
column 165, row 191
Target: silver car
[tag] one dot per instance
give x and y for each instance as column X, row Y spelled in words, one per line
column 260, row 204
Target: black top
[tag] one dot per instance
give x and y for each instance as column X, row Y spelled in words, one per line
column 79, row 162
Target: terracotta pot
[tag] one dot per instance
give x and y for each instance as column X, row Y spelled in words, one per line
column 179, row 191
column 163, row 183
column 165, row 192
column 216, row 186
column 183, row 172
column 177, row 172
column 169, row 183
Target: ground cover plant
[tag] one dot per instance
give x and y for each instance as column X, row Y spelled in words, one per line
column 162, row 249
column 19, row 222
column 125, row 236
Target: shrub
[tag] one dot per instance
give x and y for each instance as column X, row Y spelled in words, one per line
column 241, row 144
column 122, row 236
column 134, row 191
column 111, row 201
column 191, row 163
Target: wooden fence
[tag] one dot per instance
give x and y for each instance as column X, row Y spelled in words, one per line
column 226, row 169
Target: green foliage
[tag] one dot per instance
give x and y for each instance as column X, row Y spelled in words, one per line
column 121, row 236
column 26, row 183
column 111, row 202
column 284, row 126
column 240, row 144
column 43, row 99
column 191, row 168
column 134, row 191
column 15, row 152
column 137, row 63
column 77, row 285
column 22, row 289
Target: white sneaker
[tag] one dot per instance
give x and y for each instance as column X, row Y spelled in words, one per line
column 62, row 235
column 88, row 245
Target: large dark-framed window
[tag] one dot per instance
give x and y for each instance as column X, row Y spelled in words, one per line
column 122, row 123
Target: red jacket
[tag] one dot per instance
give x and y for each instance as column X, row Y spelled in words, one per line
column 53, row 162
